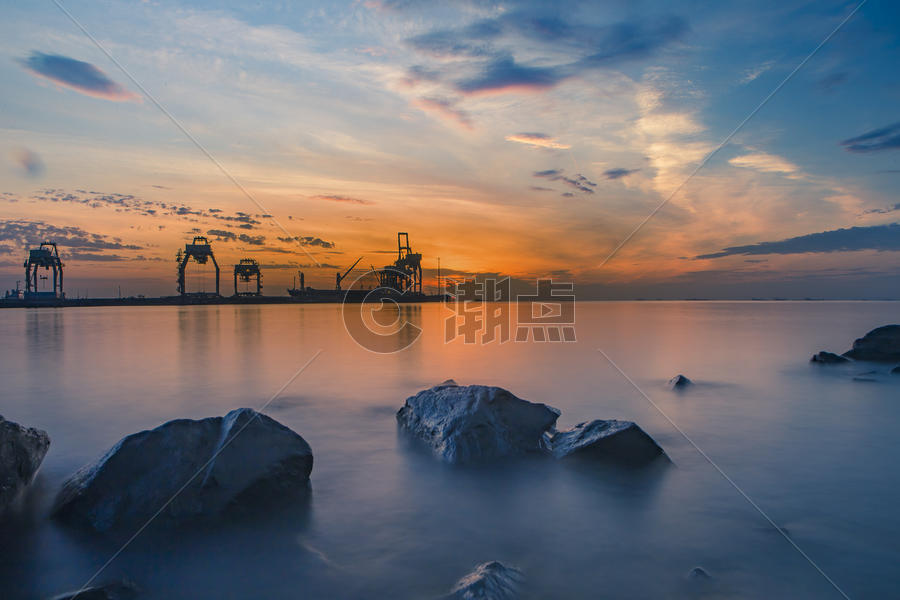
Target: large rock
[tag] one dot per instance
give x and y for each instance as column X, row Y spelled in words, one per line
column 880, row 345
column 620, row 441
column 472, row 423
column 489, row 581
column 190, row 470
column 22, row 449
column 828, row 358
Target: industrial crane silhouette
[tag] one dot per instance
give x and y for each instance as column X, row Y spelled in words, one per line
column 338, row 278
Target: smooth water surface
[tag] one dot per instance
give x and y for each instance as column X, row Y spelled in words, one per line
column 815, row 449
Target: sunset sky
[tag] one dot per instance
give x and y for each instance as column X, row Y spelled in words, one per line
column 521, row 138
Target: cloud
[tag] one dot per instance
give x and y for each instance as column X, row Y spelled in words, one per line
column 337, row 198
column 589, row 47
column 446, row 109
column 578, row 181
column 886, row 138
column 129, row 203
column 18, row 235
column 504, row 74
column 222, row 235
column 307, row 241
column 875, row 237
column 77, row 75
column 753, row 73
column 466, row 41
column 618, row 173
column 883, row 211
column 765, row 163
column 29, row 162
column 541, row 140
column 253, row 240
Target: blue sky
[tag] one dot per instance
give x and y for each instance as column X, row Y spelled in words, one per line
column 527, row 138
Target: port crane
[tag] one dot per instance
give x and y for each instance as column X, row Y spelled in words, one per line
column 338, row 278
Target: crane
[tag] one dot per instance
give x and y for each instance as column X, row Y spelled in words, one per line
column 338, row 278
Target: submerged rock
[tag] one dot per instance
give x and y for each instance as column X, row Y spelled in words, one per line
column 828, row 358
column 895, row 370
column 472, row 423
column 22, row 449
column 489, row 581
column 698, row 574
column 680, row 382
column 879, row 345
column 242, row 460
column 120, row 590
column 621, row 441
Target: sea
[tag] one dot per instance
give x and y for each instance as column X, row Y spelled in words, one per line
column 783, row 480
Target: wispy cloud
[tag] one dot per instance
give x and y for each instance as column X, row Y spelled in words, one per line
column 445, row 108
column 339, row 198
column 307, row 240
column 876, row 237
column 753, row 73
column 541, row 140
column 618, row 173
column 77, row 75
column 489, row 47
column 885, row 138
column 578, row 181
column 29, row 162
column 765, row 163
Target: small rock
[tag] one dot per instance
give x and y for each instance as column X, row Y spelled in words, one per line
column 828, row 358
column 471, row 423
column 120, row 590
column 623, row 441
column 240, row 461
column 679, row 382
column 22, row 449
column 698, row 574
column 895, row 370
column 489, row 581
column 879, row 345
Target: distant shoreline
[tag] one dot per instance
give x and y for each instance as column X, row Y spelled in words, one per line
column 211, row 300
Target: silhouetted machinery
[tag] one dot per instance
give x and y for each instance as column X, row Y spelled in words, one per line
column 246, row 270
column 338, row 278
column 46, row 256
column 405, row 275
column 201, row 252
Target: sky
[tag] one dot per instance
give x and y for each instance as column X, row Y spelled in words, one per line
column 525, row 139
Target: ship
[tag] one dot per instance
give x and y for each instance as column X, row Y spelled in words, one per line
column 400, row 281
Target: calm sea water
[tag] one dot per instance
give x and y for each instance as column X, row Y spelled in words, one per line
column 814, row 448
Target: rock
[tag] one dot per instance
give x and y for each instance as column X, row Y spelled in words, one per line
column 465, row 424
column 828, row 358
column 680, row 382
column 22, row 449
column 240, row 461
column 698, row 574
column 879, row 345
column 489, row 581
column 895, row 370
column 622, row 441
column 120, row 590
